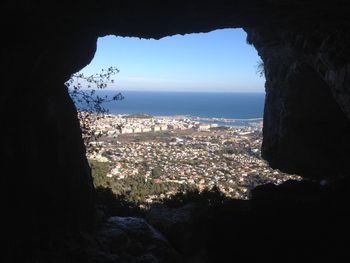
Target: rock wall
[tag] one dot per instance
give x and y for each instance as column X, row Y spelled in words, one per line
column 304, row 45
column 306, row 121
column 47, row 186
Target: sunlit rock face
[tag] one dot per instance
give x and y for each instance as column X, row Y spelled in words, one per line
column 304, row 45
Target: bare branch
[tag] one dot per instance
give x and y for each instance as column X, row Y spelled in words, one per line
column 82, row 90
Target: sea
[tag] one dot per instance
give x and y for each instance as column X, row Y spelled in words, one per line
column 223, row 108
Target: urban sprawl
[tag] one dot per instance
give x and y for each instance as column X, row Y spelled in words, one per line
column 184, row 150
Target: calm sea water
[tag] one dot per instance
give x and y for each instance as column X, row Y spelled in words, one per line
column 209, row 105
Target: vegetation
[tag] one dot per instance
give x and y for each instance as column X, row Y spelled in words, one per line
column 128, row 196
column 99, row 172
column 82, row 89
column 232, row 149
column 157, row 172
column 219, row 128
column 211, row 197
column 131, row 195
column 140, row 115
column 260, row 69
column 116, row 205
column 136, row 189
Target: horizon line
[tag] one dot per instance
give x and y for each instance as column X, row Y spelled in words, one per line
column 186, row 91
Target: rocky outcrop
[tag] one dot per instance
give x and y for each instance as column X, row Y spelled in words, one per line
column 304, row 46
column 118, row 239
column 306, row 127
column 292, row 222
column 306, row 124
column 185, row 227
column 47, row 178
column 134, row 240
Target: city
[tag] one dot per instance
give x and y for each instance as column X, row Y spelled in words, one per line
column 181, row 151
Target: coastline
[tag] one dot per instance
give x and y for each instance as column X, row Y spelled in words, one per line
column 221, row 122
column 231, row 106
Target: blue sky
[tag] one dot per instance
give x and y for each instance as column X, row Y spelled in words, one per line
column 218, row 61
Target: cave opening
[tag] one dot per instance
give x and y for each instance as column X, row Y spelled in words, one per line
column 48, row 191
column 190, row 117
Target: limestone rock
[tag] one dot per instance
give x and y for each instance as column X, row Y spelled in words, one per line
column 134, row 240
column 186, row 227
column 305, row 49
column 306, row 128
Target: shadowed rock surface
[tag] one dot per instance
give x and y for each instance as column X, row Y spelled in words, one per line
column 306, row 124
column 304, row 46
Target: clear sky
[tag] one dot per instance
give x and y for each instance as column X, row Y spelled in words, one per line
column 220, row 60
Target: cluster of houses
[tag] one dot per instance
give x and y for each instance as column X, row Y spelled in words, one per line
column 124, row 124
column 229, row 159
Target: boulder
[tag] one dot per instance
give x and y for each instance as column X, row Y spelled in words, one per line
column 134, row 240
column 186, row 227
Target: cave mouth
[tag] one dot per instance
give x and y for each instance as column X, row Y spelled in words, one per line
column 190, row 118
column 305, row 54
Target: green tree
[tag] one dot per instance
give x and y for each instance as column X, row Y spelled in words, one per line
column 157, row 172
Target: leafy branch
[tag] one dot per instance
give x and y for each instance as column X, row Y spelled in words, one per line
column 82, row 89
